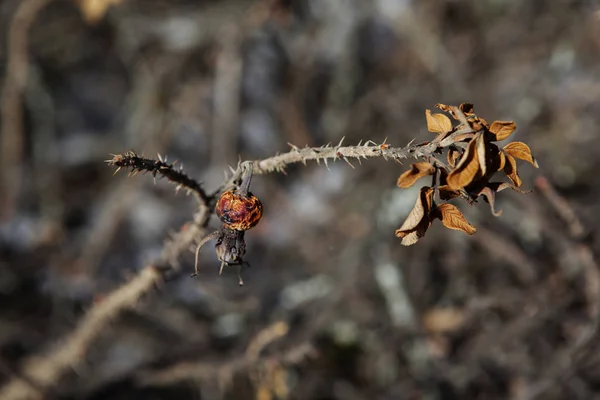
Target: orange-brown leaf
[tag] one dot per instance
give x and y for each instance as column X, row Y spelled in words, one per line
column 466, row 169
column 413, row 236
column 446, row 193
column 437, row 123
column 452, row 218
column 510, row 169
column 489, row 195
column 501, row 161
column 502, row 129
column 418, row 221
column 416, row 172
column 421, row 209
column 521, row 151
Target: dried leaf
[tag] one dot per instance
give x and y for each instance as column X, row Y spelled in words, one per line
column 466, row 169
column 502, row 161
column 464, row 136
column 446, row 193
column 437, row 123
column 521, row 151
column 412, row 237
column 500, row 186
column 452, row 156
column 452, row 218
column 490, row 197
column 510, row 169
column 502, row 129
column 421, row 209
column 418, row 221
column 416, row 172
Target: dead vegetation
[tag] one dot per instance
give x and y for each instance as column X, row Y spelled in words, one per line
column 94, row 268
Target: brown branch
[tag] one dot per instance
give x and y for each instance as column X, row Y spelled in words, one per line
column 159, row 167
column 46, row 370
column 326, row 153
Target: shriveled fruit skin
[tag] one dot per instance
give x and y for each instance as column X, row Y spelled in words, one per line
column 239, row 212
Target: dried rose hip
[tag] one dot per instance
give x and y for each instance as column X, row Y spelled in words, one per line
column 239, row 212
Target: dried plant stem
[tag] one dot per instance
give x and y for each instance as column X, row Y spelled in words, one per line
column 159, row 167
column 48, row 369
column 326, row 153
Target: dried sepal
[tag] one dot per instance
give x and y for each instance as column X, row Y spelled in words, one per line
column 481, row 153
column 452, row 218
column 467, row 108
column 502, row 129
column 510, row 169
column 466, row 169
column 437, row 123
column 416, row 172
column 521, row 151
column 418, row 221
column 452, row 156
column 449, row 109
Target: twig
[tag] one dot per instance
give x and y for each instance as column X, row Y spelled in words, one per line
column 159, row 167
column 46, row 370
column 12, row 141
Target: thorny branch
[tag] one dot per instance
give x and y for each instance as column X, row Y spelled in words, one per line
column 48, row 369
column 159, row 167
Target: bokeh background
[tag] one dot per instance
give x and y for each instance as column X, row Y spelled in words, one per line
column 333, row 307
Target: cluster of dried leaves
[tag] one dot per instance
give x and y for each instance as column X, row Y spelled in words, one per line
column 472, row 159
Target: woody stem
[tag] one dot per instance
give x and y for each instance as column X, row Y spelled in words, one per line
column 246, row 179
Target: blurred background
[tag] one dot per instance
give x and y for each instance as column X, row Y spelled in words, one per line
column 333, row 307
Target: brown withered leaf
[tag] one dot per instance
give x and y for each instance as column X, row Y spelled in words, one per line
column 418, row 220
column 502, row 129
column 489, row 194
column 510, row 169
column 521, row 151
column 500, row 186
column 463, row 136
column 437, row 123
column 416, row 172
column 466, row 169
column 452, row 156
column 452, row 218
column 446, row 193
